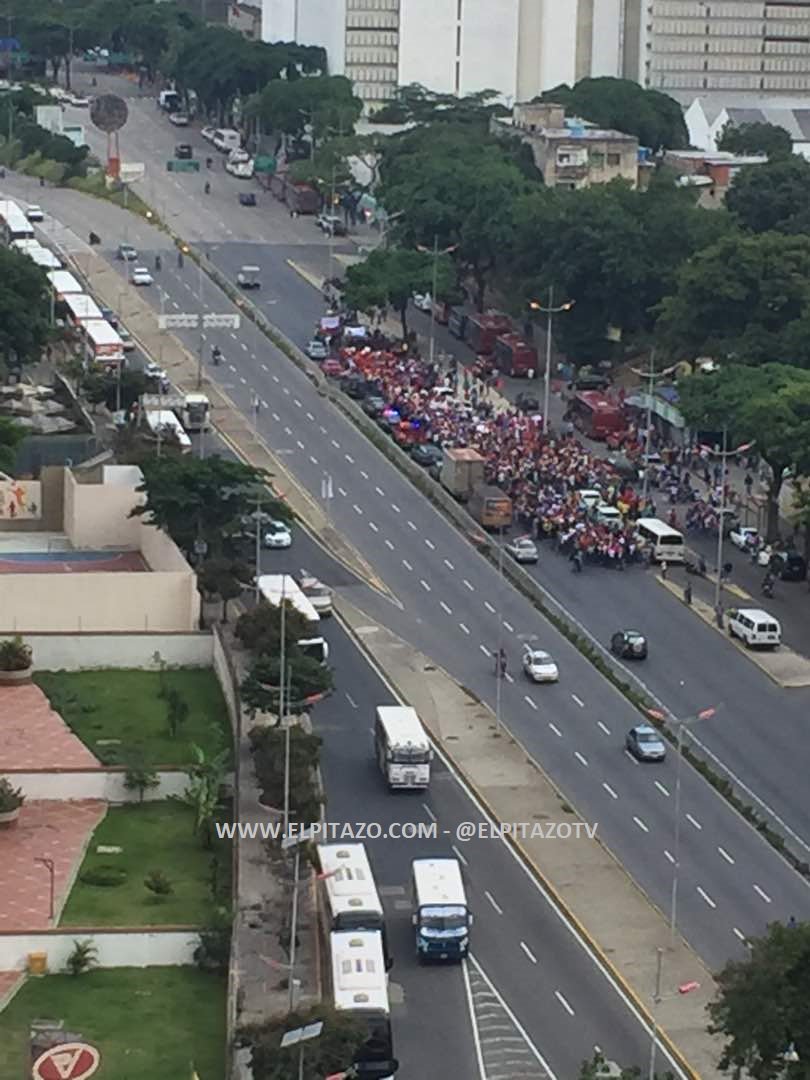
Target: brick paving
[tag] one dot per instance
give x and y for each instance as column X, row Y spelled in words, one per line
column 33, row 736
column 8, row 984
column 49, row 829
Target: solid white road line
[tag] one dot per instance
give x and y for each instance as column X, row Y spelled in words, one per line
column 563, row 1002
column 582, row 760
column 640, row 824
column 705, row 896
column 528, row 952
column 725, row 855
column 609, row 790
column 491, row 899
column 762, row 893
column 464, row 628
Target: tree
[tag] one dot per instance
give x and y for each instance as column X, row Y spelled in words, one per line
column 756, row 138
column 304, row 678
column 332, row 1052
column 745, row 298
column 259, row 629
column 623, row 105
column 390, row 276
column 761, row 1005
column 597, row 1068
column 415, row 104
column 326, row 103
column 773, row 196
column 11, row 435
column 225, row 578
column 193, row 499
column 268, row 750
column 24, row 308
column 770, row 404
column 158, row 884
column 205, row 778
column 140, row 776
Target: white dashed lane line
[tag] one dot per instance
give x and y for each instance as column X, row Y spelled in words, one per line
column 528, row 952
column 469, row 586
column 508, row 677
column 640, row 824
column 529, row 701
column 449, row 565
column 310, row 416
column 430, row 544
column 693, row 821
column 627, row 754
column 395, row 508
column 579, row 701
column 336, row 444
column 343, row 492
column 489, row 606
column 661, row 788
column 373, row 527
column 582, row 760
column 669, row 857
column 297, row 403
column 380, row 492
column 428, row 811
column 761, row 892
column 463, row 628
column 412, row 526
column 265, row 367
column 444, row 607
column 725, row 855
column 232, row 368
column 738, row 933
column 276, row 418
column 609, row 790
column 356, row 508
column 406, row 564
column 563, row 1002
column 349, row 458
column 492, row 901
column 485, row 650
column 389, row 545
column 286, row 390
column 603, row 727
column 424, row 584
column 508, row 627
column 299, row 444
column 459, row 856
column 705, row 896
column 243, row 380
column 351, row 701
column 364, row 474
column 314, row 460
column 555, row 729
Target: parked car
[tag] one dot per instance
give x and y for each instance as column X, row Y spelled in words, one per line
column 528, row 402
column 208, row 133
column 179, row 119
column 744, row 537
column 78, row 102
column 277, row 535
column 184, row 151
column 318, row 594
column 522, row 549
column 141, row 276
column 788, row 565
column 645, row 743
column 539, row 666
column 126, row 252
column 317, row 349
column 249, row 277
column 35, row 213
column 422, row 302
column 425, row 454
column 629, row 645
column 247, row 198
column 126, row 339
column 331, row 224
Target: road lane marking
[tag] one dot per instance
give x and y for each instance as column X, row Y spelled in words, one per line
column 288, row 431
column 604, row 727
column 388, row 544
column 412, row 526
column 276, row 378
column 380, row 491
column 528, row 952
column 430, row 544
column 579, row 701
column 692, row 821
column 314, row 460
column 670, row 858
column 364, row 474
column 286, row 390
column 491, row 899
column 740, row 935
column 343, row 492
column 406, row 564
column 529, row 701
column 725, row 855
column 428, row 811
column 489, row 606
column 459, row 856
column 424, row 584
column 297, row 403
column 705, row 896
column 276, row 417
column 661, row 788
column 336, row 444
column 508, row 627
column 449, row 565
column 555, row 729
column 373, row 527
column 265, row 367
column 395, row 508
column 609, row 790
column 469, row 586
column 299, row 444
column 464, row 628
column 762, row 893
column 444, row 607
column 243, row 380
column 244, row 346
column 232, row 368
column 563, row 1002
column 323, row 430
column 265, row 405
column 629, row 755
column 508, row 677
column 640, row 824
column 349, row 458
column 582, row 760
column 351, row 701
column 485, row 650
column 356, row 508
column 310, row 416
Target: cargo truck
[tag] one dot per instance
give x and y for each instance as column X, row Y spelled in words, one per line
column 515, row 357
column 462, row 470
column 490, row 507
column 481, row 331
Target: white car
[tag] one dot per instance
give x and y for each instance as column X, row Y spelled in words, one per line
column 35, row 213
column 208, row 133
column 608, row 515
column 744, row 537
column 589, row 497
column 523, row 549
column 422, row 301
column 317, row 349
column 538, row 666
column 141, row 276
column 277, row 535
column 78, row 102
column 318, row 594
column 179, row 119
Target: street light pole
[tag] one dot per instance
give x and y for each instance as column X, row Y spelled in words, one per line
column 718, row 584
column 659, row 959
column 499, row 675
column 293, row 935
column 550, row 312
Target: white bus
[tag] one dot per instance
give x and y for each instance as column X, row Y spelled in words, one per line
column 359, row 978
column 163, row 423
column 14, row 225
column 441, row 918
column 402, row 747
column 278, row 588
column 351, row 901
column 665, row 543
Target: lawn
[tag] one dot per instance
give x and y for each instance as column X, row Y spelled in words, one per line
column 130, row 708
column 152, row 836
column 147, row 1022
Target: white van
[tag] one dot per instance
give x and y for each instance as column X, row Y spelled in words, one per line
column 755, row 627
column 227, row 139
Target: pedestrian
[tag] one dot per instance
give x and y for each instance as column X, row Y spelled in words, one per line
column 687, row 594
column 664, row 569
column 158, row 262
column 180, row 260
column 792, row 924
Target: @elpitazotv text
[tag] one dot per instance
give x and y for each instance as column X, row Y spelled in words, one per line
column 325, row 832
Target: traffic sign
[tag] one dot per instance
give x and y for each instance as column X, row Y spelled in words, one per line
column 70, row 1061
column 221, row 322
column 178, row 322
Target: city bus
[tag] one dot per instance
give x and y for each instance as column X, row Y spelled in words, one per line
column 359, row 987
column 165, row 425
column 14, row 225
column 665, row 543
column 402, row 748
column 349, row 895
column 441, row 918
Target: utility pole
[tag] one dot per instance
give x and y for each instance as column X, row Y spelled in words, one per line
column 436, row 253
column 659, row 959
column 652, row 376
column 550, row 312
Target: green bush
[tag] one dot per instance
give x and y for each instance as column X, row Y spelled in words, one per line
column 104, row 876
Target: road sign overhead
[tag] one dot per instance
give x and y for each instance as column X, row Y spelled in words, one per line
column 178, row 322
column 70, row 1061
column 221, row 322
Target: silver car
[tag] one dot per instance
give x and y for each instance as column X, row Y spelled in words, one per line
column 645, row 743
column 539, row 666
column 277, row 535
column 317, row 349
column 523, row 550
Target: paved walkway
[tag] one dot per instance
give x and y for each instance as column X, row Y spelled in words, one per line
column 50, row 829
column 33, row 736
column 598, row 896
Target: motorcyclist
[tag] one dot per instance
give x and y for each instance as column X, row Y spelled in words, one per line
column 500, row 662
column 216, row 355
column 207, row 188
column 767, row 584
column 209, row 163
column 158, row 262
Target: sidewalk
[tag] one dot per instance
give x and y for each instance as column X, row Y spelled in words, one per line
column 612, row 914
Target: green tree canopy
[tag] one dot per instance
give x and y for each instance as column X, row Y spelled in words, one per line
column 756, row 138
column 745, row 298
column 773, row 196
column 390, row 277
column 11, row 435
column 623, row 105
column 259, row 629
column 268, row 750
column 193, row 499
column 761, row 1006
column 24, row 308
column 325, row 102
column 415, row 104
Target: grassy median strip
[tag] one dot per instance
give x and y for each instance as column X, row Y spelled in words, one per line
column 161, row 1023
column 124, row 714
column 152, row 837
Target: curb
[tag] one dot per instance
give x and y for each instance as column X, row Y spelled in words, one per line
column 531, row 865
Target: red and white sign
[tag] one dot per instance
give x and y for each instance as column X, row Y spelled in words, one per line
column 70, row 1061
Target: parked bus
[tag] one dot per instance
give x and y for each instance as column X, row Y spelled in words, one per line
column 350, row 899
column 163, row 423
column 665, row 543
column 402, row 748
column 14, row 225
column 441, row 918
column 359, row 978
column 43, row 257
column 81, row 307
column 63, row 283
column 102, row 344
column 595, row 415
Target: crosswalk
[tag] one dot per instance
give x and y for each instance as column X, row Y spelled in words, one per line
column 505, row 1051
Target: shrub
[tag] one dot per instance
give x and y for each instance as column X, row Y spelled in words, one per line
column 104, row 876
column 11, row 798
column 83, row 957
column 15, row 655
column 158, row 884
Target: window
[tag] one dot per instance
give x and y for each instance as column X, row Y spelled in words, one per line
column 597, row 159
column 614, row 160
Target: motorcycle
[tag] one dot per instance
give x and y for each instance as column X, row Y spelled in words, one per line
column 767, row 588
column 94, row 239
column 697, row 568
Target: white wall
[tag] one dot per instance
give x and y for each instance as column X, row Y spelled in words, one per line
column 97, row 515
column 698, row 126
column 489, row 46
column 309, row 22
column 427, row 44
column 138, row 948
column 94, row 784
column 605, row 58
column 558, row 43
column 83, row 652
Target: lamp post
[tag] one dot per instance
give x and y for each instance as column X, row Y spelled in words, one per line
column 652, row 377
column 704, row 714
column 724, row 455
column 49, row 866
column 685, row 988
column 499, row 675
column 301, row 837
column 300, row 1037
column 549, row 312
column 436, row 254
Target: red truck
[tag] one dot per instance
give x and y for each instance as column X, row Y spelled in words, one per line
column 302, row 198
column 481, row 331
column 515, row 357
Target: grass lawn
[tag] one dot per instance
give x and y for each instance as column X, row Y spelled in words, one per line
column 146, row 1022
column 153, row 836
column 127, row 706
